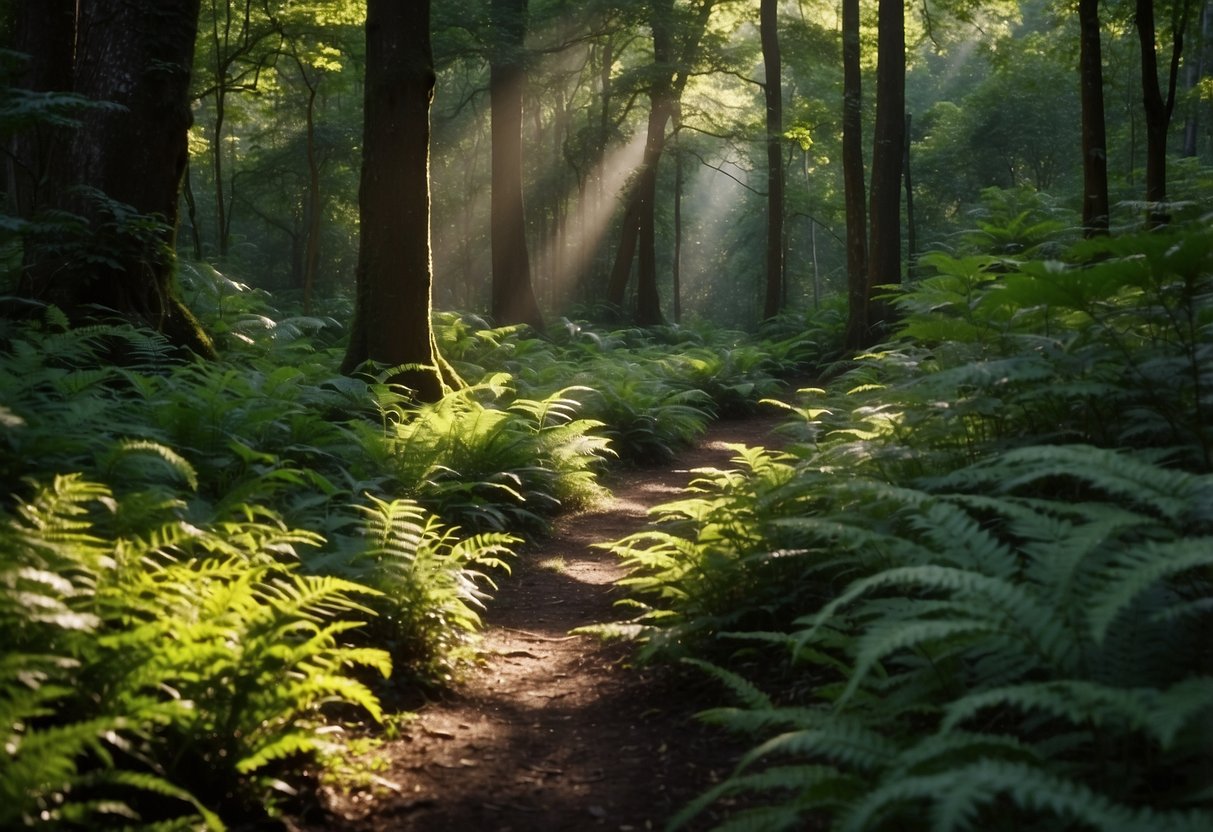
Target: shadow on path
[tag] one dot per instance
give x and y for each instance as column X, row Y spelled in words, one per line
column 560, row 732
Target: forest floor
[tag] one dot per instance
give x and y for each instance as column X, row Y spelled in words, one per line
column 554, row 731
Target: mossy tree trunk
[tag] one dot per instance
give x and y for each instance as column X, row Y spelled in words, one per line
column 392, row 317
column 120, row 170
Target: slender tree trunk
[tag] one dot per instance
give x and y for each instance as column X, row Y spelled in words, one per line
column 775, row 199
column 888, row 149
column 395, row 277
column 661, row 109
column 1095, row 207
column 621, row 271
column 221, row 226
column 853, row 180
column 676, row 264
column 311, row 257
column 670, row 78
column 513, row 300
column 648, row 301
column 1157, row 108
column 911, row 229
column 191, row 207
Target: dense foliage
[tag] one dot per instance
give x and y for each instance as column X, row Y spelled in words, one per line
column 978, row 584
column 975, row 588
column 201, row 561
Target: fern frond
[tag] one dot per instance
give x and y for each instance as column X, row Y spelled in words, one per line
column 1137, row 569
column 799, row 789
column 839, row 739
column 878, row 642
column 1161, row 714
column 957, row 796
column 741, row 688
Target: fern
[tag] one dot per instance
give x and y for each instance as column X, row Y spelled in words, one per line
column 957, row 797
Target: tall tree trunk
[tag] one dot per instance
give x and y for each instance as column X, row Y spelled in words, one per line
column 648, row 301
column 1158, row 109
column 621, row 270
column 855, row 190
column 676, row 260
column 661, row 109
column 513, row 299
column 191, row 209
column 769, row 14
column 1096, row 210
column 311, row 257
column 137, row 54
column 395, row 277
column 888, row 149
column 671, row 73
column 911, row 227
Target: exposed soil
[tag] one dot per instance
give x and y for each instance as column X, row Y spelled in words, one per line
column 555, row 731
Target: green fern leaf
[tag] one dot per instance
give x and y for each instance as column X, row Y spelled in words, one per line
column 836, row 738
column 1136, row 570
column 741, row 688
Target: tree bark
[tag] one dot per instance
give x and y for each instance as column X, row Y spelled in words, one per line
column 395, row 277
column 311, row 257
column 123, row 166
column 46, row 32
column 853, row 180
column 1096, row 210
column 773, row 87
column 1158, row 109
column 884, row 246
column 639, row 232
column 676, row 260
column 911, row 226
column 513, row 296
column 888, row 150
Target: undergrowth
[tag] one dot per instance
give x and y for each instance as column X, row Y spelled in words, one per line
column 204, row 567
column 976, row 591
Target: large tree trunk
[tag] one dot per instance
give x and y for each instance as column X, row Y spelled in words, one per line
column 1158, row 109
column 123, row 162
column 774, row 101
column 393, row 302
column 855, row 190
column 1095, row 208
column 513, row 300
column 884, row 247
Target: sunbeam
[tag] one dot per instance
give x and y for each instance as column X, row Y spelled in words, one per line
column 594, row 208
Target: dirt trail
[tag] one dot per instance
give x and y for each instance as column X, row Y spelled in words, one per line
column 560, row 732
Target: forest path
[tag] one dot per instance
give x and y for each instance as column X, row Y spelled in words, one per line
column 559, row 732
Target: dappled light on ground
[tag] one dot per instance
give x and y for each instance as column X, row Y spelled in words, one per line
column 558, row 731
